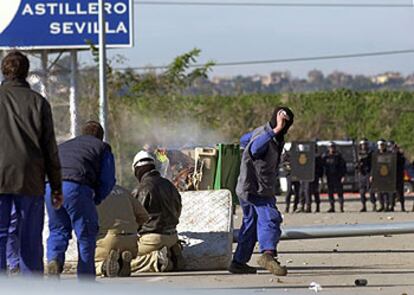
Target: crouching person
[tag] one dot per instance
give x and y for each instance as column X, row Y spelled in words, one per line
column 159, row 249
column 88, row 174
column 120, row 217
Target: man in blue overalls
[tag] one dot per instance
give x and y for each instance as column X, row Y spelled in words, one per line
column 88, row 173
column 256, row 189
column 28, row 153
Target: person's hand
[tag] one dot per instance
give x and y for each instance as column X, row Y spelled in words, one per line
column 342, row 179
column 57, row 200
column 370, row 179
column 281, row 118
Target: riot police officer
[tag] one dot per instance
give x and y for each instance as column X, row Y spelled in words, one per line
column 399, row 194
column 364, row 174
column 314, row 185
column 292, row 186
column 334, row 169
column 382, row 196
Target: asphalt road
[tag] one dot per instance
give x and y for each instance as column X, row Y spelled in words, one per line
column 386, row 262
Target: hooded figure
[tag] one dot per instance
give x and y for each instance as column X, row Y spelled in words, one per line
column 256, row 189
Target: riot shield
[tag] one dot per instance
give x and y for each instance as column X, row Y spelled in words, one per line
column 303, row 160
column 384, row 172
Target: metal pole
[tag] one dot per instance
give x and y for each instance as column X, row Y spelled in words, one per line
column 103, row 101
column 73, row 96
column 343, row 231
column 44, row 76
column 2, row 54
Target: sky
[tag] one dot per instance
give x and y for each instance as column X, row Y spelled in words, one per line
column 231, row 34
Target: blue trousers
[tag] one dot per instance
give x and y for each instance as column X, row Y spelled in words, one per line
column 13, row 245
column 261, row 223
column 78, row 213
column 30, row 211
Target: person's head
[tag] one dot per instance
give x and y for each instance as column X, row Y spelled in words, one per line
column 288, row 123
column 15, row 66
column 363, row 145
column 332, row 148
column 391, row 146
column 382, row 146
column 143, row 162
column 94, row 129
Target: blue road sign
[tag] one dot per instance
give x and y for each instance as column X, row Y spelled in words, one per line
column 63, row 24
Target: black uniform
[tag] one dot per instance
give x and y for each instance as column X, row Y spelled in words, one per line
column 383, row 197
column 307, row 189
column 314, row 185
column 334, row 168
column 292, row 186
column 400, row 184
column 364, row 173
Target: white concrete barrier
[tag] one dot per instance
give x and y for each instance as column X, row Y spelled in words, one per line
column 206, row 228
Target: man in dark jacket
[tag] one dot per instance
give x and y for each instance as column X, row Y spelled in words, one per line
column 88, row 173
column 334, row 169
column 158, row 245
column 28, row 153
column 256, row 189
column 364, row 175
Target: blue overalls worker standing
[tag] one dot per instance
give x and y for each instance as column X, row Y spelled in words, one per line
column 88, row 173
column 256, row 189
column 28, row 153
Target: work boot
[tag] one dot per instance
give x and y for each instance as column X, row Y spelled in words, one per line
column 13, row 272
column 164, row 263
column 342, row 208
column 177, row 257
column 380, row 209
column 300, row 210
column 54, row 269
column 287, row 209
column 270, row 263
column 125, row 264
column 363, row 209
column 110, row 267
column 308, row 209
column 331, row 210
column 241, row 268
column 318, row 208
column 402, row 207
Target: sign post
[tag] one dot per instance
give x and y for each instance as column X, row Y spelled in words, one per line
column 67, row 25
column 73, row 96
column 103, row 99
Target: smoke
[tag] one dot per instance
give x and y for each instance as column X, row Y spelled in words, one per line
column 171, row 134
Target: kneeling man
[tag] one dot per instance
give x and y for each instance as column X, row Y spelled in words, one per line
column 159, row 249
column 120, row 217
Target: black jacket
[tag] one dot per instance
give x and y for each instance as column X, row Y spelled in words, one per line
column 28, row 150
column 364, row 163
column 334, row 166
column 161, row 200
column 81, row 159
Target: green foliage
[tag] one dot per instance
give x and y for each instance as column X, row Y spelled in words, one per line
column 151, row 107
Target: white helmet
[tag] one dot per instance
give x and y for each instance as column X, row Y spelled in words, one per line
column 141, row 159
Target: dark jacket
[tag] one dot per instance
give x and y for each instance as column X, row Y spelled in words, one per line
column 364, row 163
column 28, row 150
column 81, row 159
column 334, row 166
column 258, row 174
column 161, row 200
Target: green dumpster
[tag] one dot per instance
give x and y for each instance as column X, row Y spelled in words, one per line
column 228, row 168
